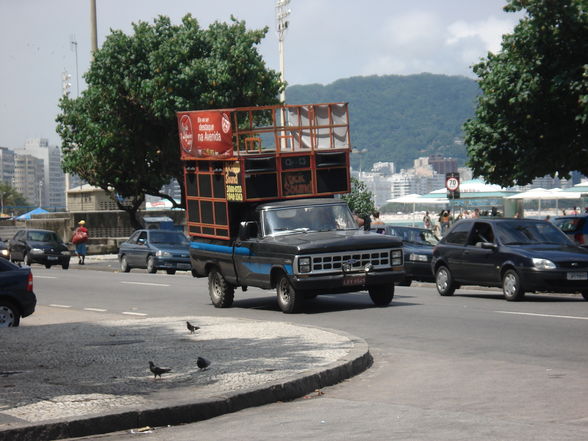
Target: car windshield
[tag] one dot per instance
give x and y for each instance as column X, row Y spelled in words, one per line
column 524, row 233
column 43, row 236
column 168, row 238
column 311, row 218
column 422, row 237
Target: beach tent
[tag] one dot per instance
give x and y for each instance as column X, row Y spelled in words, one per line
column 30, row 213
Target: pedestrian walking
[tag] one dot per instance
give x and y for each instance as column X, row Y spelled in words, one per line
column 427, row 220
column 79, row 239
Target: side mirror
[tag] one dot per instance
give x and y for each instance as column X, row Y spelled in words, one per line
column 247, row 230
column 489, row 246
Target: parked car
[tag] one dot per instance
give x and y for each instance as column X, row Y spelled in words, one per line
column 39, row 246
column 17, row 299
column 519, row 255
column 576, row 228
column 417, row 244
column 154, row 250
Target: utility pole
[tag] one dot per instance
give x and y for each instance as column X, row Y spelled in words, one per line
column 93, row 32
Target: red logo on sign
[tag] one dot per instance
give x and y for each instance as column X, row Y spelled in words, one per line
column 226, row 123
column 186, row 133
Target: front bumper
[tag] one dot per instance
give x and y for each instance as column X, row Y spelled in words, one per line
column 346, row 282
column 552, row 281
column 50, row 259
column 170, row 263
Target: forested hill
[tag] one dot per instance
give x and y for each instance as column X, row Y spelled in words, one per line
column 399, row 118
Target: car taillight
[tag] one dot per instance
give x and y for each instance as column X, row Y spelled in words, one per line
column 579, row 238
column 30, row 283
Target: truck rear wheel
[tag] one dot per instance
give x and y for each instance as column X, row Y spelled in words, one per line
column 382, row 295
column 221, row 293
column 289, row 300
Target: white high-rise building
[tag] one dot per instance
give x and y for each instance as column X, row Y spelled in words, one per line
column 53, row 191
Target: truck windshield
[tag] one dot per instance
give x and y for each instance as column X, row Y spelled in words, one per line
column 311, row 218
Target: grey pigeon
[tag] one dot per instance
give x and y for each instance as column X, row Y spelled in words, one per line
column 157, row 370
column 192, row 327
column 202, row 363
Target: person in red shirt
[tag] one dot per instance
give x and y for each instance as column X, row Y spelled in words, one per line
column 80, row 237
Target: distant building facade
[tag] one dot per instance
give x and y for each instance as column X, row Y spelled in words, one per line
column 29, row 178
column 7, row 157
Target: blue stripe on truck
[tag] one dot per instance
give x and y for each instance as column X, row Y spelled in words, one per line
column 243, row 251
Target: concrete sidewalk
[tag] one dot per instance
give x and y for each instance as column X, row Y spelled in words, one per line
column 77, row 379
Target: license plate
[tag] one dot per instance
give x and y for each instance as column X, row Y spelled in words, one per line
column 358, row 279
column 51, row 257
column 184, row 266
column 577, row 276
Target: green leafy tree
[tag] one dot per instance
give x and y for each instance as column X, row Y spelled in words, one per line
column 532, row 118
column 12, row 201
column 121, row 133
column 360, row 200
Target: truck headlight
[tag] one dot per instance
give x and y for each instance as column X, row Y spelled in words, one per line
column 396, row 257
column 543, row 263
column 304, row 265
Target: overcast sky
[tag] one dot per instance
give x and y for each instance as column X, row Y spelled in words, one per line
column 326, row 40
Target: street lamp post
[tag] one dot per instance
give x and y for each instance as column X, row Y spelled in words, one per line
column 282, row 24
column 74, row 47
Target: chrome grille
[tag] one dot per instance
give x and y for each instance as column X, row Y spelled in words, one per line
column 333, row 262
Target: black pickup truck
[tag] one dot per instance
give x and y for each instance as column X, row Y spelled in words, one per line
column 302, row 248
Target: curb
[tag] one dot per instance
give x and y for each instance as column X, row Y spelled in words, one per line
column 186, row 411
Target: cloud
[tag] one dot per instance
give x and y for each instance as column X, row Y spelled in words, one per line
column 489, row 32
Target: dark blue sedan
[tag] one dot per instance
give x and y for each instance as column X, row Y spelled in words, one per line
column 417, row 245
column 155, row 250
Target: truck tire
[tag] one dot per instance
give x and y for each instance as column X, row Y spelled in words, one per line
column 220, row 292
column 289, row 300
column 382, row 295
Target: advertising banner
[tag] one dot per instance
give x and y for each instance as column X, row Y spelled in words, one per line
column 205, row 134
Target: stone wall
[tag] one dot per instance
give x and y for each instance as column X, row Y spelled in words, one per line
column 107, row 229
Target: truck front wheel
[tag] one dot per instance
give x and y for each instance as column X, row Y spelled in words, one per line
column 221, row 293
column 289, row 300
column 382, row 295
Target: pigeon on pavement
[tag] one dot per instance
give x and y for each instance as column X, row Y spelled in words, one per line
column 192, row 327
column 202, row 363
column 157, row 370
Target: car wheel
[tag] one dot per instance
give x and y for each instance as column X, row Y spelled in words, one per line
column 381, row 295
column 65, row 265
column 47, row 266
column 289, row 300
column 444, row 281
column 585, row 295
column 9, row 314
column 124, row 264
column 27, row 259
column 511, row 286
column 171, row 271
column 220, row 292
column 151, row 265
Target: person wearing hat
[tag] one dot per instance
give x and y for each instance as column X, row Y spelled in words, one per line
column 79, row 239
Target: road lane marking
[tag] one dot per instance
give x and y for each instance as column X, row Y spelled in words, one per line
column 145, row 283
column 95, row 309
column 134, row 313
column 59, row 306
column 543, row 315
column 44, row 277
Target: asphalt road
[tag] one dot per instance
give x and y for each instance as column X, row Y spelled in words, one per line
column 471, row 367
